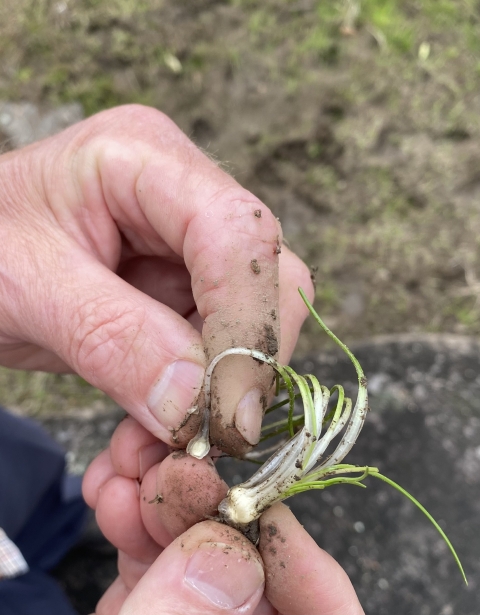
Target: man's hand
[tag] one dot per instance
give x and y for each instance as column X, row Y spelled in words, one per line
column 147, row 504
column 119, row 237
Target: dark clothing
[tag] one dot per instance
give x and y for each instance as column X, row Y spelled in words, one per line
column 41, row 511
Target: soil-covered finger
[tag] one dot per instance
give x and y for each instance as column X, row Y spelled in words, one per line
column 237, row 294
column 184, row 492
column 183, row 203
column 300, row 577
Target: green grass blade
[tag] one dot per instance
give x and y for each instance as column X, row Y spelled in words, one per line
column 331, row 334
column 291, row 398
column 427, row 514
column 297, row 419
column 277, row 383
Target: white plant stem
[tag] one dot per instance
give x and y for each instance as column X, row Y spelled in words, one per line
column 302, row 453
column 199, row 445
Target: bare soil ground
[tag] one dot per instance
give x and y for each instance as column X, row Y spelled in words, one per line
column 356, row 122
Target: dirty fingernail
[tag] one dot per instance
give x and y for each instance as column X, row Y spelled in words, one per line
column 249, row 414
column 149, row 455
column 226, row 576
column 175, row 392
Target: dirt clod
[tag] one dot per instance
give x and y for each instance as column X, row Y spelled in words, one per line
column 255, row 267
column 257, row 213
column 272, row 529
column 271, row 339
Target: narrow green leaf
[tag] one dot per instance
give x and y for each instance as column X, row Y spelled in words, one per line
column 331, row 334
column 427, row 514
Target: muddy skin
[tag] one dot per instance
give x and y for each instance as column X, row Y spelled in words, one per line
column 237, row 326
column 182, row 434
column 227, row 438
column 272, row 529
column 190, row 490
column 225, row 434
column 250, row 531
column 215, row 532
column 274, row 549
column 255, row 267
column 278, row 247
column 271, row 340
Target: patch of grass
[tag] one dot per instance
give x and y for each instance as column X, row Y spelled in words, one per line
column 326, row 294
column 387, row 18
column 79, row 52
column 96, row 39
column 35, row 393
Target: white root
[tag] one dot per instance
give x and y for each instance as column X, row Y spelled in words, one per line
column 301, row 454
column 199, row 445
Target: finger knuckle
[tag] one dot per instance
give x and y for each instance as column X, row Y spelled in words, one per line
column 135, row 116
column 250, row 215
column 243, row 219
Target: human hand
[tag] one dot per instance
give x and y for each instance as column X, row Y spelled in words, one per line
column 118, row 236
column 168, row 565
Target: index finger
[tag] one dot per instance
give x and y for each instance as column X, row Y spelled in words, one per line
column 173, row 200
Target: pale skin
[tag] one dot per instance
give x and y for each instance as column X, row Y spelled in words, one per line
column 119, row 240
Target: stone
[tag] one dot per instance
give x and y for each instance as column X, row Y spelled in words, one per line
column 423, row 431
column 23, row 123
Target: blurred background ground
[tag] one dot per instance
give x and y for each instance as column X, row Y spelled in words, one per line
column 356, row 121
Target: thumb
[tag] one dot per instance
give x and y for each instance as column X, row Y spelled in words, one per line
column 140, row 352
column 207, row 570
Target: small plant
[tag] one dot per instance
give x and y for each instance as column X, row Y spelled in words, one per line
column 300, row 464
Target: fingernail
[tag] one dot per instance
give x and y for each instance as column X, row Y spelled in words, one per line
column 249, row 414
column 226, row 576
column 150, row 455
column 175, row 392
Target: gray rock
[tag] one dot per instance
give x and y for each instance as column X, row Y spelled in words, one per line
column 423, row 432
column 23, row 123
column 84, row 433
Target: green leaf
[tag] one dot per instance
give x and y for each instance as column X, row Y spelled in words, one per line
column 390, row 482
